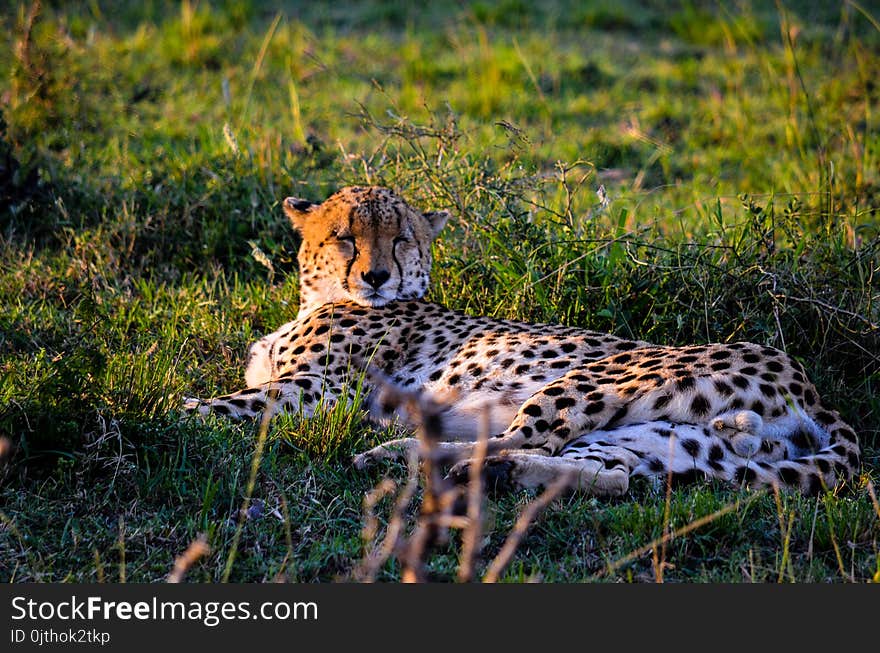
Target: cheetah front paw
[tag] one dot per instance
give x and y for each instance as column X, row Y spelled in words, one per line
column 191, row 404
column 741, row 428
column 394, row 451
column 740, row 421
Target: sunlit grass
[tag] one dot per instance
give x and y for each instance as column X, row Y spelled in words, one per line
column 144, row 151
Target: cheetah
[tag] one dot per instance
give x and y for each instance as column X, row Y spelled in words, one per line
column 559, row 398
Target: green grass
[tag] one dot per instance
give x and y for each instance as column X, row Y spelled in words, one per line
column 145, row 147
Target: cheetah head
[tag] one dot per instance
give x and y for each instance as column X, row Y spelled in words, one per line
column 362, row 244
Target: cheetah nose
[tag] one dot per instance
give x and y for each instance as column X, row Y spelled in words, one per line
column 376, row 277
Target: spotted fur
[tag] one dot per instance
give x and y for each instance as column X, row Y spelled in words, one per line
column 558, row 397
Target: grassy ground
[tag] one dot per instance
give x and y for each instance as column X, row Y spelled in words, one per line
column 145, row 146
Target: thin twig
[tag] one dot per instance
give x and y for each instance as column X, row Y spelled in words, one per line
column 528, row 515
column 470, row 539
column 197, row 549
column 687, row 528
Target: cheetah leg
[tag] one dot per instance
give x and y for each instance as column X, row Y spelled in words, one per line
column 606, row 477
column 298, row 393
column 563, row 409
column 839, row 459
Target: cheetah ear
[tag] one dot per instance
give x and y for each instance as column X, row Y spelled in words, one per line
column 297, row 211
column 437, row 220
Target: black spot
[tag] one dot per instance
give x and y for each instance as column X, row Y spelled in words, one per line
column 823, row 465
column 554, row 391
column 790, row 476
column 594, row 407
column 568, row 347
column 814, row 485
column 257, row 405
column 740, row 381
column 526, row 431
column 656, row 465
column 549, row 353
column 619, row 415
column 767, row 390
column 454, row 379
column 663, row 433
column 220, row 409
column 585, row 387
column 562, row 432
column 541, row 426
column 825, row 417
column 716, row 452
column 723, row 389
column 847, row 434
column 775, row 366
column 347, row 322
column 612, row 463
column 661, row 401
column 719, row 367
column 620, row 359
column 305, row 384
column 758, row 407
column 853, row 459
column 238, row 403
column 435, row 376
column 625, row 346
column 744, row 474
column 685, row 383
column 700, row 405
column 720, row 355
column 317, row 347
column 692, row 447
column 322, row 330
column 751, row 358
column 796, row 389
column 801, row 439
column 337, row 337
column 533, row 410
column 564, row 402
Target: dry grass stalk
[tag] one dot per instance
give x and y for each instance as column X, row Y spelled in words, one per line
column 473, row 531
column 527, row 516
column 870, row 487
column 668, row 536
column 439, row 499
column 197, row 549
